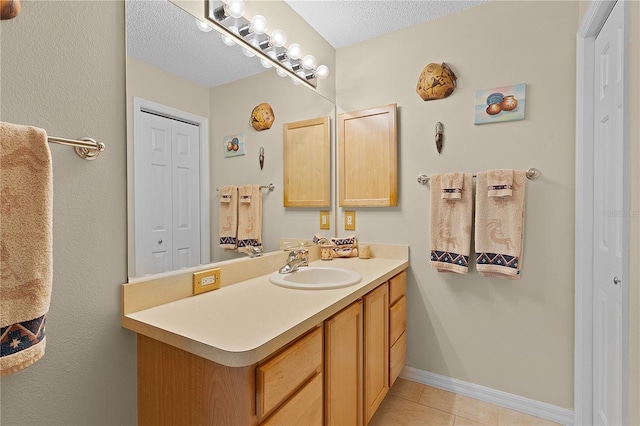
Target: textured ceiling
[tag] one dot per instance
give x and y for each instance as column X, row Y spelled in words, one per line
column 163, row 35
column 345, row 22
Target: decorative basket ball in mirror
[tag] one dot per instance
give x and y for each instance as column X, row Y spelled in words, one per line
column 9, row 9
column 436, row 82
column 262, row 117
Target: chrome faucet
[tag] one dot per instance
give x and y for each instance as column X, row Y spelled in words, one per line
column 253, row 251
column 294, row 261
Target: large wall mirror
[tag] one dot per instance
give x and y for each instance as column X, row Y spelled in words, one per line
column 189, row 84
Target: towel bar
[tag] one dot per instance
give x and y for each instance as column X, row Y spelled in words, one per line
column 532, row 174
column 271, row 187
column 86, row 148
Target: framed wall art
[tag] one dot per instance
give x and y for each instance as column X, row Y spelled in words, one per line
column 505, row 103
column 234, row 145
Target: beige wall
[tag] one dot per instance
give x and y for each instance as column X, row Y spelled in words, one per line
column 63, row 70
column 516, row 337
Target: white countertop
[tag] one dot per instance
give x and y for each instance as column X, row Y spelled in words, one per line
column 241, row 324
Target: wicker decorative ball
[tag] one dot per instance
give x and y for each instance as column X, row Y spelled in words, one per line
column 262, row 117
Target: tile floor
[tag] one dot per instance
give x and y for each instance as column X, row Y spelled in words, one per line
column 413, row 404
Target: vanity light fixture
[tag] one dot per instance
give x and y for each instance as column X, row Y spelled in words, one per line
column 252, row 36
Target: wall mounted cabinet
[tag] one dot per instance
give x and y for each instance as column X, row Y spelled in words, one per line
column 367, row 158
column 307, row 163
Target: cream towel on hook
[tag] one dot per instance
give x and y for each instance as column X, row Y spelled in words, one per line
column 249, row 217
column 228, row 220
column 26, row 271
column 450, row 227
column 500, row 229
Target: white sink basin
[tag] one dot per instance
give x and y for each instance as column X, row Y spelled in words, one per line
column 316, row 278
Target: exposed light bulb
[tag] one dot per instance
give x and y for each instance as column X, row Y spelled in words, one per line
column 228, row 40
column 202, row 26
column 287, row 64
column 235, row 8
column 280, row 72
column 309, row 62
column 294, row 51
column 322, row 72
column 248, row 53
column 259, row 24
column 295, row 81
column 265, row 63
column 278, row 38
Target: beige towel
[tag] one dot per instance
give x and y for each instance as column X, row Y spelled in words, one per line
column 25, row 244
column 451, row 185
column 228, row 221
column 500, row 182
column 344, row 246
column 500, row 229
column 249, row 217
column 450, row 227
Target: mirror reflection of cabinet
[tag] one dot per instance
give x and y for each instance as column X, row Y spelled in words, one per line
column 307, row 169
column 367, row 158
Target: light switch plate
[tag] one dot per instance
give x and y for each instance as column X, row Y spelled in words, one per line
column 204, row 281
column 349, row 220
column 325, row 220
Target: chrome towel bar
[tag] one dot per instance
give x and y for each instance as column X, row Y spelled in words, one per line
column 271, row 187
column 532, row 174
column 86, row 148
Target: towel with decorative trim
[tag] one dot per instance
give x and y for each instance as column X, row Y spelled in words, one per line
column 452, row 184
column 450, row 227
column 249, row 217
column 500, row 182
column 499, row 233
column 228, row 220
column 320, row 239
column 26, row 269
column 345, row 246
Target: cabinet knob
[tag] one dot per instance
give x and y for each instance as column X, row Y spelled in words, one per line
column 616, row 280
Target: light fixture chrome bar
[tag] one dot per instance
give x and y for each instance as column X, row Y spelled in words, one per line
column 217, row 17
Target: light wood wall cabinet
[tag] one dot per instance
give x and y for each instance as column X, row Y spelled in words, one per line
column 307, row 165
column 367, row 158
column 336, row 374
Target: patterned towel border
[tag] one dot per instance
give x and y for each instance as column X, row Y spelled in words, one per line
column 448, row 257
column 497, row 259
column 18, row 337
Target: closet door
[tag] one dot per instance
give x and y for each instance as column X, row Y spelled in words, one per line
column 166, row 194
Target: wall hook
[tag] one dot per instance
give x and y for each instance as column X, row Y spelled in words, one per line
column 261, row 157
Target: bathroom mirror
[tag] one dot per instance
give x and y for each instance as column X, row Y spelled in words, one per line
column 178, row 73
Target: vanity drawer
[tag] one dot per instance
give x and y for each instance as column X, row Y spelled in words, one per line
column 397, row 358
column 283, row 374
column 304, row 408
column 397, row 287
column 397, row 319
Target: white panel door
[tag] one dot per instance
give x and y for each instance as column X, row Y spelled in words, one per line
column 153, row 201
column 186, row 194
column 608, row 222
column 166, row 194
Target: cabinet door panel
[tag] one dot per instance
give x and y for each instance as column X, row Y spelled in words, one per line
column 343, row 367
column 398, row 320
column 376, row 349
column 397, row 358
column 397, row 287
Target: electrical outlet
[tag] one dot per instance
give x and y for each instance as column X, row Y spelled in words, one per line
column 204, row 281
column 325, row 221
column 349, row 220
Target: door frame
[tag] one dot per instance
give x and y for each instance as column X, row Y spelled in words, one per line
column 140, row 105
column 590, row 26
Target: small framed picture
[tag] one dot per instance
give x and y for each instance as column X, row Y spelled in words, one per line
column 234, row 145
column 506, row 103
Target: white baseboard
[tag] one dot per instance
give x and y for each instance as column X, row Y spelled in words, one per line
column 504, row 399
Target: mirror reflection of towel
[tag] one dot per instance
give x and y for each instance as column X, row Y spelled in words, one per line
column 249, row 217
column 228, row 220
column 26, row 247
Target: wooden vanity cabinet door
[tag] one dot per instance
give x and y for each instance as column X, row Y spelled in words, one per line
column 304, row 408
column 279, row 378
column 376, row 349
column 343, row 367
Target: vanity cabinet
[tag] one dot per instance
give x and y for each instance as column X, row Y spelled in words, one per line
column 397, row 325
column 338, row 373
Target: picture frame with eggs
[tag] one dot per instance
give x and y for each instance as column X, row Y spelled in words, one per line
column 233, row 145
column 499, row 104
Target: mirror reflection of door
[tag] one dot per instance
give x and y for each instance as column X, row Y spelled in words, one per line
column 167, row 205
